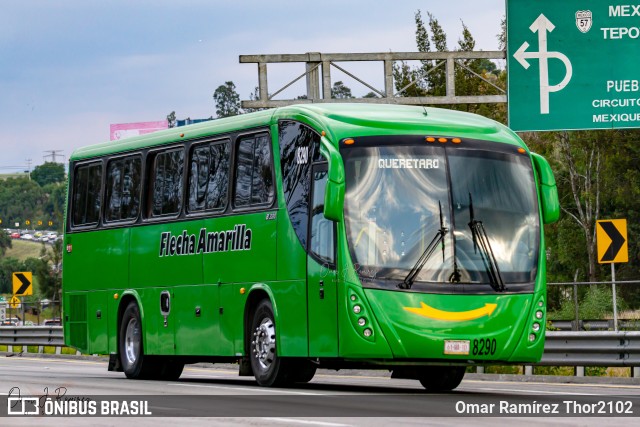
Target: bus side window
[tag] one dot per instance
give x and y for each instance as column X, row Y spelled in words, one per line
column 322, row 230
column 166, row 181
column 254, row 172
column 299, row 148
column 123, row 186
column 87, row 182
column 209, row 177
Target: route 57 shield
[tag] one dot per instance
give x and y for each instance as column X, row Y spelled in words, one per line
column 583, row 20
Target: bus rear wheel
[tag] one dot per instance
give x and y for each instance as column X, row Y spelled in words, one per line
column 134, row 363
column 169, row 370
column 303, row 371
column 441, row 378
column 268, row 369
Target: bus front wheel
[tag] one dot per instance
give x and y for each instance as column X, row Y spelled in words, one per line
column 441, row 378
column 268, row 369
column 132, row 358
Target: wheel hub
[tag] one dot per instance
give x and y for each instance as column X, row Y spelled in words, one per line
column 132, row 341
column 264, row 343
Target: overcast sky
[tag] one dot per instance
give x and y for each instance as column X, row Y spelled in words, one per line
column 70, row 68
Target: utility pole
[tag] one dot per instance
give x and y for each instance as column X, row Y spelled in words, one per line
column 29, row 168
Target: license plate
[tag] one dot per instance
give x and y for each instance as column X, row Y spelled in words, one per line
column 456, row 347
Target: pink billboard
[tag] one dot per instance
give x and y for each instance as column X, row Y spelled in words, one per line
column 127, row 130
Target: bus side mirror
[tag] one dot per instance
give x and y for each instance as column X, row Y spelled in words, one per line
column 334, row 193
column 548, row 189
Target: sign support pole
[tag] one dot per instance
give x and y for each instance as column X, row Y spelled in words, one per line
column 613, row 291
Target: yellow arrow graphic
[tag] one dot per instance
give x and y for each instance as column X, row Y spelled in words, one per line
column 452, row 316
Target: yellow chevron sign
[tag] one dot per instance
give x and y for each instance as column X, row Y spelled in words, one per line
column 452, row 316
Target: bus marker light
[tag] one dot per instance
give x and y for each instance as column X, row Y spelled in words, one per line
column 456, row 140
column 349, row 141
column 69, row 248
column 115, row 296
column 521, row 150
column 538, row 314
column 353, row 297
column 242, row 291
column 367, row 332
column 532, row 337
column 356, row 309
column 536, row 327
column 182, row 135
column 431, row 139
column 324, row 133
column 362, row 321
column 443, row 140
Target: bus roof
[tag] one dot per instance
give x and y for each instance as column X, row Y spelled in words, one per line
column 338, row 120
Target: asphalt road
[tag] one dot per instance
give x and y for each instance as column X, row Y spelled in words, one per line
column 215, row 395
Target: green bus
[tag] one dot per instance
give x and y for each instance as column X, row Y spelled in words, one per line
column 312, row 236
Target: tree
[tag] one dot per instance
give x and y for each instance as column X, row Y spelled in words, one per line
column 414, row 82
column 54, row 204
column 7, row 267
column 254, row 96
column 21, row 199
column 340, row 91
column 171, row 119
column 227, row 100
column 467, row 71
column 5, row 243
column 438, row 78
column 48, row 173
column 49, row 272
column 408, row 81
column 422, row 40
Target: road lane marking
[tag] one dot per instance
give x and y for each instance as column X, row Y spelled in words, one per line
column 265, row 390
column 527, row 392
column 305, row 422
column 554, row 384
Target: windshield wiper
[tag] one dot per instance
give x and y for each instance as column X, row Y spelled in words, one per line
column 481, row 240
column 431, row 248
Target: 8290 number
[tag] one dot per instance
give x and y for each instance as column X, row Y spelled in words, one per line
column 484, row 347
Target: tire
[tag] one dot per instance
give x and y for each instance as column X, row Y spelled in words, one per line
column 170, row 370
column 268, row 369
column 130, row 345
column 441, row 378
column 303, row 371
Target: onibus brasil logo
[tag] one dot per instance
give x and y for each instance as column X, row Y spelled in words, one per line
column 542, row 26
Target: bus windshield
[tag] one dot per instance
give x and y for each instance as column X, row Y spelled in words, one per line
column 399, row 198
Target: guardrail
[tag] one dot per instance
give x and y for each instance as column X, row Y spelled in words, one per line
column 597, row 348
column 594, row 325
column 32, row 336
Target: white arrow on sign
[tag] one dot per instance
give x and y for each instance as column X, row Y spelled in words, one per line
column 542, row 25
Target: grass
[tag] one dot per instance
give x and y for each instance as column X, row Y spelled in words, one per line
column 47, row 349
column 23, row 249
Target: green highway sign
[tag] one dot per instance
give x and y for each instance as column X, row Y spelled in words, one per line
column 573, row 64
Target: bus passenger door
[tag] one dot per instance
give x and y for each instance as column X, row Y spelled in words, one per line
column 321, row 273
